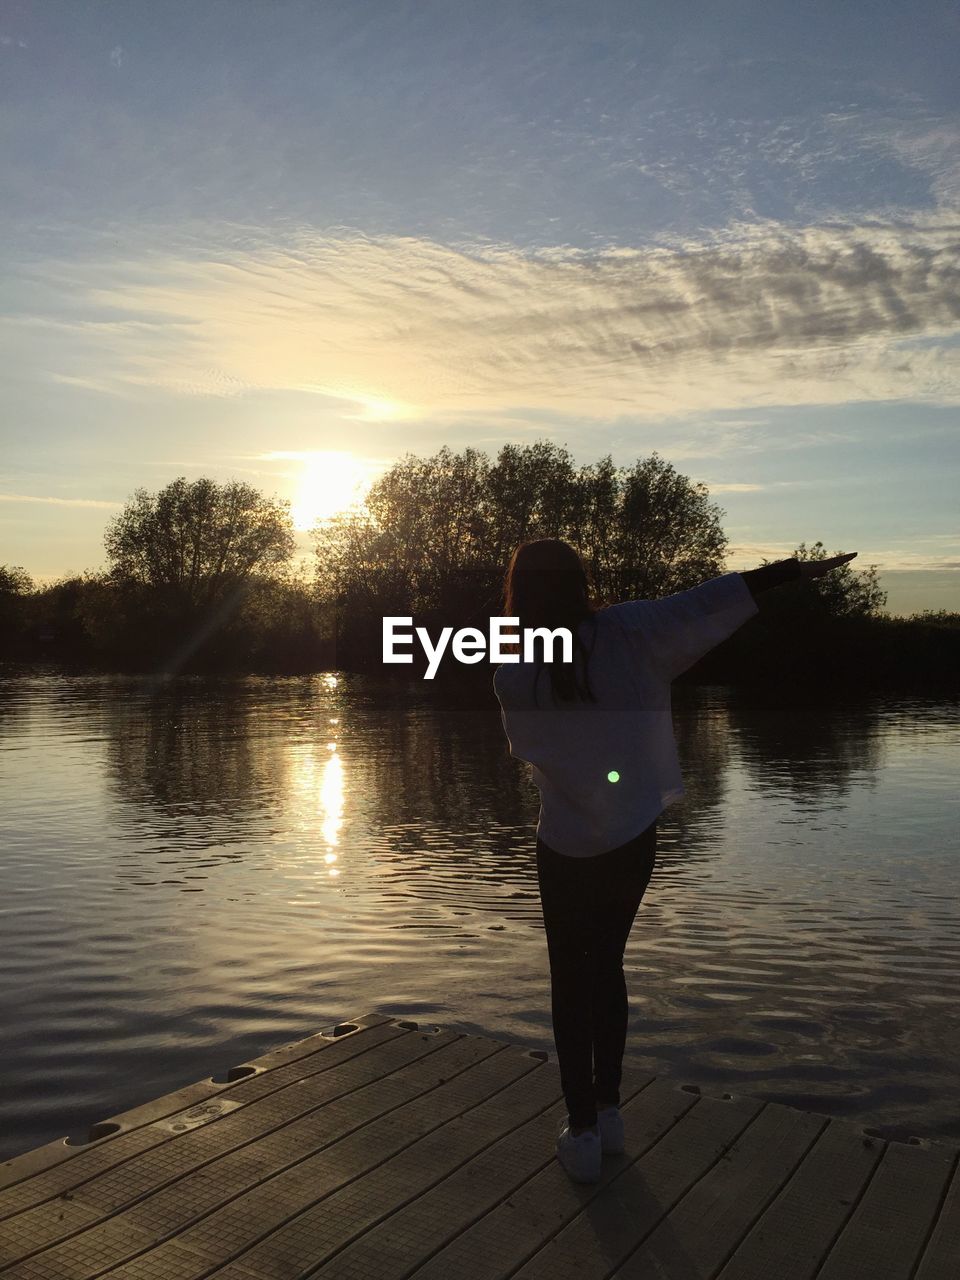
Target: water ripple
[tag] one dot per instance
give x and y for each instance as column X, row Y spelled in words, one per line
column 196, row 872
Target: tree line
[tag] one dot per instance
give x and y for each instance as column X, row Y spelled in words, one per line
column 200, row 576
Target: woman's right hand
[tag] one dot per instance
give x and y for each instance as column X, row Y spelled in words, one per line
column 818, row 568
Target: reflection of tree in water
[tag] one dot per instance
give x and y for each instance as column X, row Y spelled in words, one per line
column 812, row 750
column 17, row 697
column 428, row 799
column 451, row 810
column 702, row 728
column 451, row 767
column 452, row 806
column 245, row 770
column 189, row 762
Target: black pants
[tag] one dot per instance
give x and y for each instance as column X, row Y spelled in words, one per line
column 589, row 905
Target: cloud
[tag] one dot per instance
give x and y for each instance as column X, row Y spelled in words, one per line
column 747, row 555
column 896, row 560
column 761, row 314
column 734, row 488
column 105, row 386
column 915, row 138
column 60, row 502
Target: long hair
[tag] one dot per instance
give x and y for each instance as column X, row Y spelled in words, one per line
column 546, row 586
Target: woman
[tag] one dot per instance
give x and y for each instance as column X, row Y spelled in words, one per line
column 598, row 734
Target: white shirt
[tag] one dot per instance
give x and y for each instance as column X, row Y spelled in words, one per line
column 607, row 769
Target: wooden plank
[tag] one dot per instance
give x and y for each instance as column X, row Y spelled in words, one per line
column 297, row 1050
column 401, row 1239
column 389, row 1152
column 89, row 1254
column 52, row 1169
column 889, row 1227
column 174, row 1271
column 940, row 1257
column 496, row 1235
column 174, row 1184
column 162, row 1163
column 794, row 1234
column 704, row 1228
column 440, row 1088
column 407, row 1182
column 671, row 1130
column 273, row 1198
column 315, row 1215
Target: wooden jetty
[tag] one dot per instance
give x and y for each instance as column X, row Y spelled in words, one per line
column 381, row 1150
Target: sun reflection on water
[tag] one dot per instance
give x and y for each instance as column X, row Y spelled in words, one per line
column 332, row 797
column 319, row 788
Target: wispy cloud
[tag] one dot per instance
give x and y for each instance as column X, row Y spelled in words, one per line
column 734, row 488
column 105, row 385
column 761, row 314
column 915, row 137
column 59, row 502
column 746, row 555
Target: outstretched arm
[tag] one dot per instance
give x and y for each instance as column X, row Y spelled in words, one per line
column 773, row 575
column 676, row 631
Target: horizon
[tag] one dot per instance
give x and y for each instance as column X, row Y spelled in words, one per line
column 305, row 557
column 289, row 245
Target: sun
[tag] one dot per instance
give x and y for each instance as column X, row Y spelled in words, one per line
column 331, row 482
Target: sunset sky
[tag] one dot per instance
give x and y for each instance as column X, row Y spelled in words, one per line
column 289, row 242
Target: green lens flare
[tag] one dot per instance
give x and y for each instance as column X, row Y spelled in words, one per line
column 613, row 776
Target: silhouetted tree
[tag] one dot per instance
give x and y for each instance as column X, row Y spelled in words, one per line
column 944, row 619
column 182, row 564
column 55, row 618
column 194, row 541
column 666, row 535
column 14, row 581
column 824, row 632
column 531, row 493
column 15, row 588
column 200, row 576
column 594, row 520
column 843, row 593
column 437, row 533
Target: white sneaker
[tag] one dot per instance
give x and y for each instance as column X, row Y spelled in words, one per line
column 579, row 1155
column 610, row 1124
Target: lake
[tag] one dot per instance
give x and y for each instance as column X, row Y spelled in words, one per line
column 195, row 872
